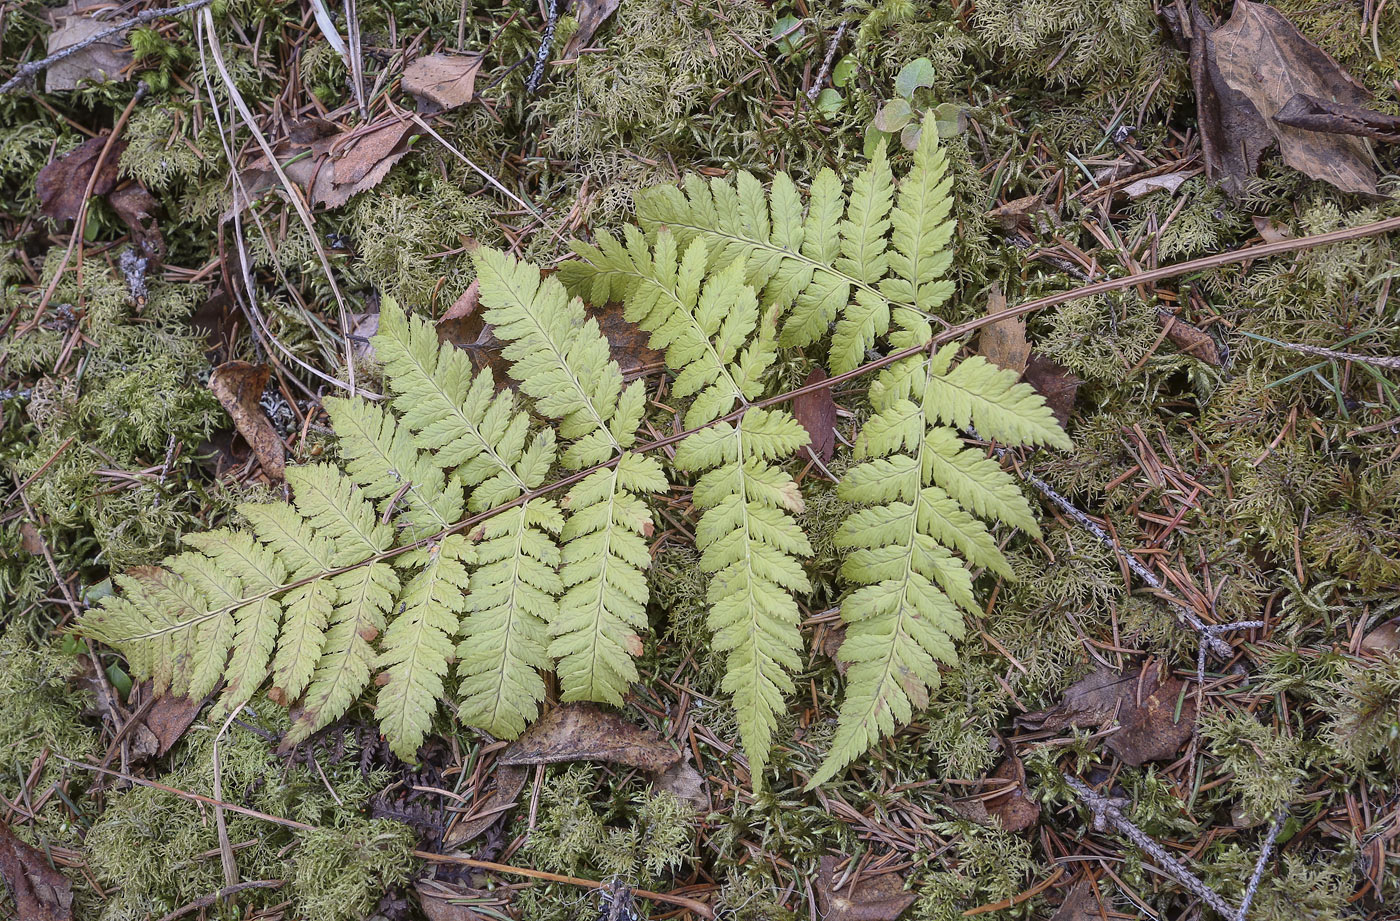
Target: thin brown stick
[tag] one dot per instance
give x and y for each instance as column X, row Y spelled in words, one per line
column 206, row 901
column 948, row 335
column 699, row 908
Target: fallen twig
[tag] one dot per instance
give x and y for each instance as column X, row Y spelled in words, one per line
column 1106, row 810
column 815, row 89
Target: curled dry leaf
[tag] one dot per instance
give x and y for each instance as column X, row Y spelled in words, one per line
column 1245, row 71
column 1382, row 639
column 1194, row 342
column 627, row 343
column 1167, row 182
column 61, row 183
column 239, row 386
column 591, row 15
column 329, row 168
column 817, row 413
column 40, row 892
column 136, row 207
column 99, row 62
column 1079, row 905
column 442, row 902
column 509, row 781
column 1270, row 230
column 1004, row 342
column 586, row 732
column 442, row 81
column 879, row 897
column 1143, row 707
column 1013, row 808
column 1056, row 383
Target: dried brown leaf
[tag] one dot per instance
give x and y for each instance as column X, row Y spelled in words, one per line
column 1245, row 72
column 1079, row 905
column 591, row 15
column 136, row 207
column 1272, row 231
column 99, row 62
column 872, row 898
column 627, row 343
column 442, row 80
column 239, row 387
column 1194, row 342
column 169, row 718
column 330, row 169
column 460, row 903
column 1167, row 182
column 509, row 781
column 1143, row 708
column 817, row 413
column 1382, row 639
column 1019, row 216
column 1055, row 382
column 1331, row 117
column 61, row 183
column 683, row 782
column 40, row 892
column 1014, row 807
column 1003, row 342
column 587, row 732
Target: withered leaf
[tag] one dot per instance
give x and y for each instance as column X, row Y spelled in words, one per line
column 61, row 183
column 1014, row 807
column 627, row 343
column 586, row 732
column 462, row 325
column 509, row 781
column 1244, row 72
column 239, row 387
column 330, row 169
column 683, row 782
column 591, row 15
column 816, row 411
column 99, row 62
column 442, row 902
column 1143, row 708
column 442, row 80
column 1167, row 182
column 1382, row 639
column 1055, row 382
column 136, row 207
column 1330, row 117
column 1194, row 342
column 1079, row 905
column 872, row 898
column 40, row 892
column 168, row 719
column 1270, row 230
column 1003, row 343
column 1019, row 215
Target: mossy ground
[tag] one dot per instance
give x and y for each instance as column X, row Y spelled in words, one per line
column 1263, row 487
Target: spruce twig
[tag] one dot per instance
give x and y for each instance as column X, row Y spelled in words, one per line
column 1258, row 873
column 1106, row 812
column 825, row 69
column 546, row 40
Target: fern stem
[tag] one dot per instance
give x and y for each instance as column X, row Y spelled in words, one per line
column 1114, row 284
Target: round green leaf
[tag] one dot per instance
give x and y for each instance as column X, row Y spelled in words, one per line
column 909, row 137
column 829, row 102
column 789, row 42
column 915, row 74
column 844, row 70
column 949, row 119
column 893, row 116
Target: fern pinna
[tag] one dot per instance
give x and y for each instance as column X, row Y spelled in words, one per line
column 436, row 540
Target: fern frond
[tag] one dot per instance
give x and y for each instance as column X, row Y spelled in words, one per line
column 511, row 604
column 561, row 358
column 857, row 263
column 921, row 486
column 458, row 416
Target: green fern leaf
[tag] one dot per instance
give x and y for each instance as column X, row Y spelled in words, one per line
column 562, row 359
column 920, row 485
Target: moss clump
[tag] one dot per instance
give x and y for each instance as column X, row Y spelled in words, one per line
column 40, row 708
column 161, row 852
